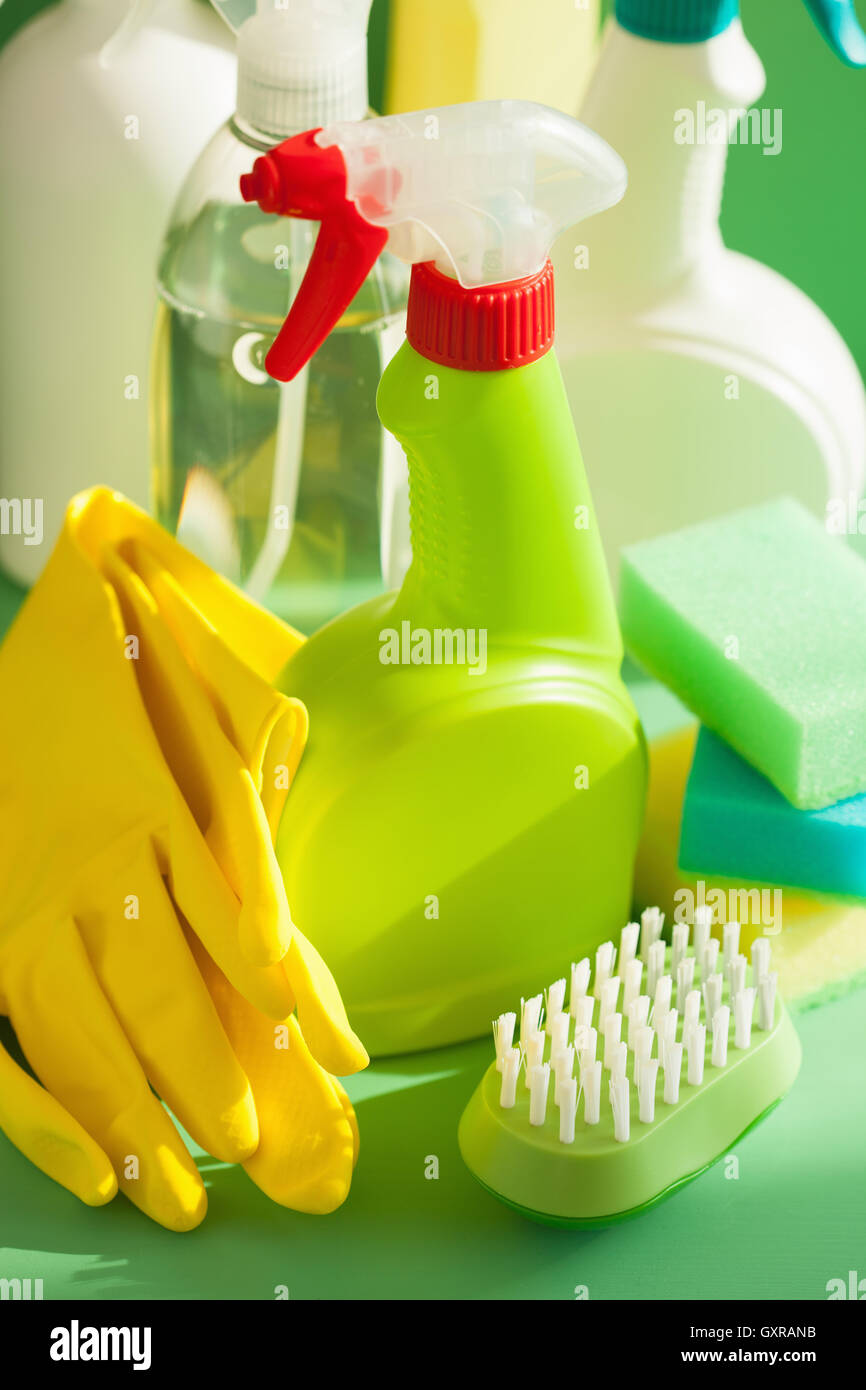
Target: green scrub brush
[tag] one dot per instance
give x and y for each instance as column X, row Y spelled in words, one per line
column 662, row 1060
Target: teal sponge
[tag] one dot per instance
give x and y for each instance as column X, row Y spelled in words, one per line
column 737, row 825
column 757, row 621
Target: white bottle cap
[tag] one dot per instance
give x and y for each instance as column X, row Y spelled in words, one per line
column 302, row 64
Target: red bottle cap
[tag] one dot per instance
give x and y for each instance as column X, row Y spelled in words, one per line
column 480, row 330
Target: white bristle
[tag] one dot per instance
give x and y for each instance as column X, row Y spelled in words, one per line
column 667, row 1032
column 628, row 939
column 679, row 944
column 767, row 1001
column 510, row 1071
column 580, row 973
column 651, row 923
column 744, row 1007
column 503, row 1036
column 662, row 996
column 730, row 941
column 710, row 959
column 673, row 1062
column 530, row 1015
column 737, row 974
column 692, row 1014
column 621, row 1106
column 563, row 1070
column 609, row 997
column 712, row 995
column 618, row 1061
column 685, row 978
column 647, row 1090
column 590, row 1083
column 612, row 1036
column 696, row 1044
column 760, row 959
column 604, row 959
column 567, row 1110
column 631, row 988
column 588, row 1048
column 703, row 924
column 584, row 1012
column 534, row 1052
column 559, row 1034
column 649, row 1015
column 554, row 1001
column 638, row 1013
column 721, row 1019
column 655, row 966
column 539, row 1082
column 643, row 1046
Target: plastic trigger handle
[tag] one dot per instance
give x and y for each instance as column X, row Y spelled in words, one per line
column 299, row 179
column 838, row 22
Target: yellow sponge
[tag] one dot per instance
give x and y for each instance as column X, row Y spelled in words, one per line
column 821, row 948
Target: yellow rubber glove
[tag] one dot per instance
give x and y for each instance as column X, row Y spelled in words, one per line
column 308, row 1135
column 108, row 822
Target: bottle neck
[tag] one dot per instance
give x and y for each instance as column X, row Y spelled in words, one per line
column 504, row 537
column 283, row 93
column 682, row 107
column 485, row 329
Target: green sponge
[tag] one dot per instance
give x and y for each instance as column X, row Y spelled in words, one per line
column 757, row 621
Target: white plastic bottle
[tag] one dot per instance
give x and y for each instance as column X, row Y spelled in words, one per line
column 701, row 379
column 103, row 105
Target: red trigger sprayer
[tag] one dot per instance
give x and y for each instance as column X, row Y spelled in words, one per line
column 300, row 179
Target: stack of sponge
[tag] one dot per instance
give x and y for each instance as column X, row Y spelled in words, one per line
column 757, row 622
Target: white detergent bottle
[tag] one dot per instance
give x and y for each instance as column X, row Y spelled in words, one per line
column 294, row 491
column 702, row 380
column 103, row 104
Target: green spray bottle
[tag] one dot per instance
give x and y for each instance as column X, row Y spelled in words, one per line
column 468, row 808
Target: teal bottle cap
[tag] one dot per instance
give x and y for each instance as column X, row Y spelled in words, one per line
column 676, row 21
column 695, row 21
column 838, row 22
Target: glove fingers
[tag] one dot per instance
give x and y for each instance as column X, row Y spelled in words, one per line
column 321, row 1013
column 267, row 729
column 151, row 981
column 306, row 1146
column 211, row 909
column 349, row 1112
column 48, row 1135
column 307, row 1149
column 208, row 771
column 260, row 639
column 77, row 1048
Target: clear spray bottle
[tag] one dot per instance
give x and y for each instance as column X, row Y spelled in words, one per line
column 293, row 491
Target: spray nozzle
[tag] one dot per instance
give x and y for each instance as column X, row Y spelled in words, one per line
column 482, row 190
column 300, row 179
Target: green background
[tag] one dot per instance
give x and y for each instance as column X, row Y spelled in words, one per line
column 795, row 1217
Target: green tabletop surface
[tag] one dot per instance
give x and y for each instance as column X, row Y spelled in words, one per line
column 793, row 1219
